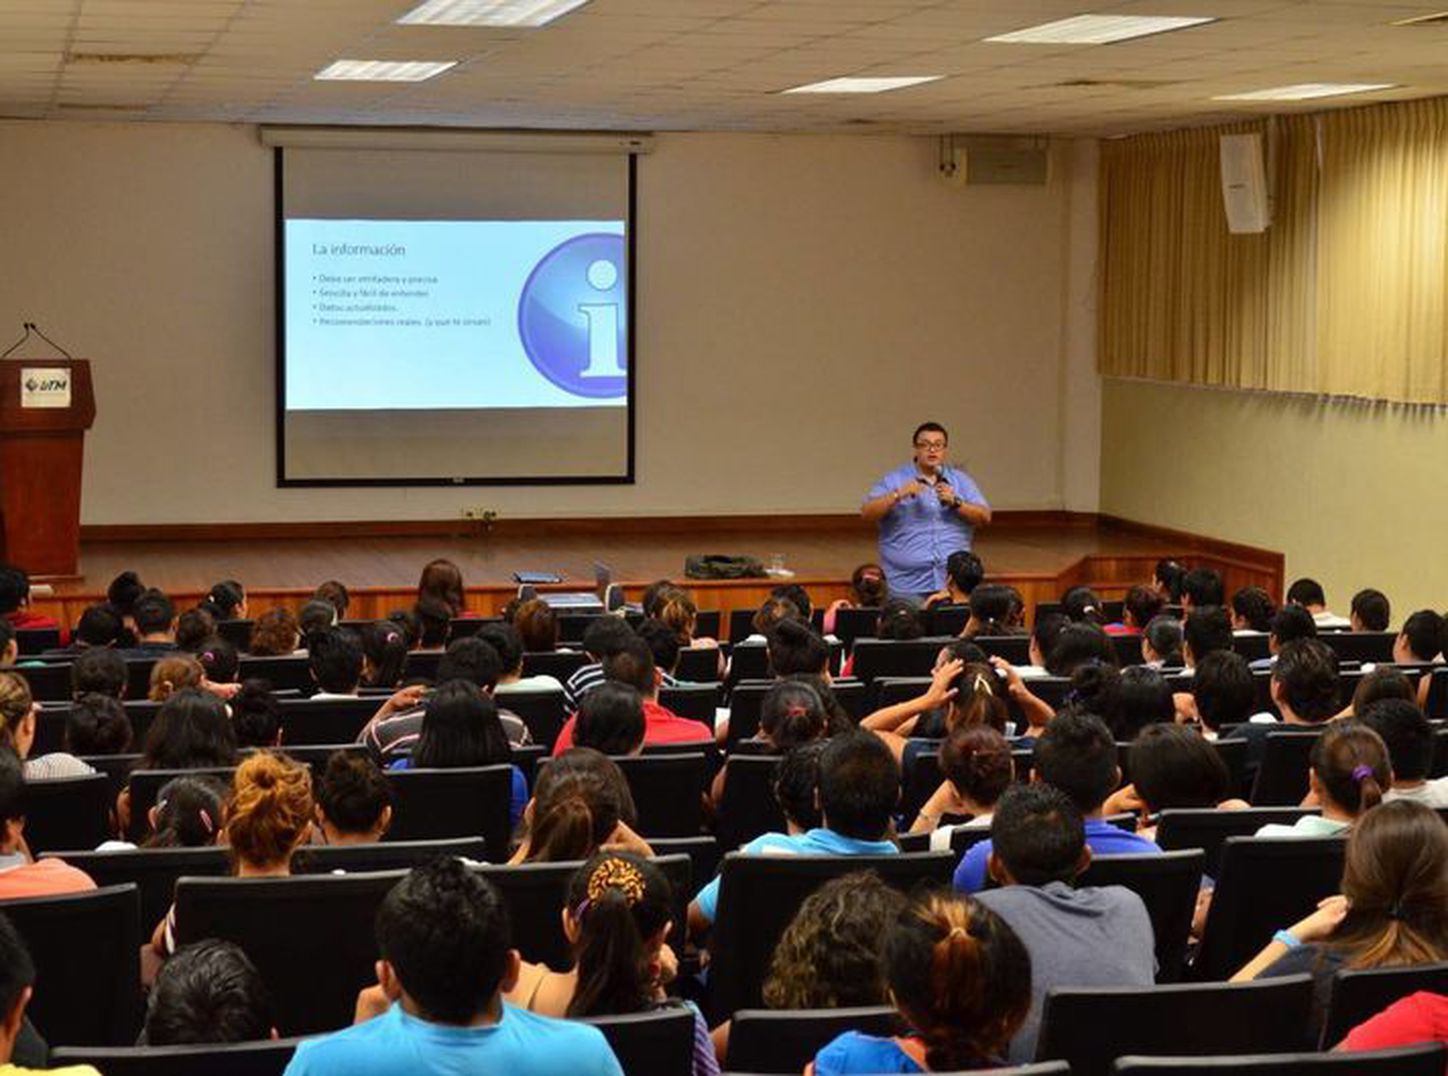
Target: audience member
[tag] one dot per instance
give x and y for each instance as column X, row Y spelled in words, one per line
column 1136, row 697
column 193, row 628
column 1348, row 773
column 98, row 626
column 317, row 615
column 791, row 713
column 504, row 638
column 98, row 671
column 226, row 600
column 97, row 725
column 1076, row 754
column 172, row 674
column 1173, row 766
column 959, row 695
column 794, row 647
column 1418, row 1018
column 963, row 573
column 19, row 1045
column 1290, row 623
column 611, row 720
column 1078, row 644
column 256, row 715
column 664, row 644
column 335, row 594
column 15, row 600
column 191, row 730
column 1252, row 610
column 1309, row 594
column 1371, row 611
column 960, row 979
column 1076, row 936
column 274, row 634
column 20, row 875
column 1142, row 604
column 1167, row 579
column 1161, row 643
column 121, row 595
column 1304, row 688
column 1082, row 605
column 797, row 787
column 604, row 637
column 220, row 663
column 1420, row 641
column 189, row 812
column 446, row 963
column 334, row 658
column 443, row 580
column 17, row 734
column 384, row 653
column 976, row 763
column 1201, row 588
column 537, row 623
column 155, row 619
column 632, row 663
column 581, row 803
column 208, row 992
column 1409, row 740
column 991, row 612
column 1207, row 628
column 1384, row 682
column 354, row 801
column 1223, row 693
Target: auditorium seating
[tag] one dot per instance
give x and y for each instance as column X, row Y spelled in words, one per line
column 471, row 801
column 748, row 807
column 661, row 1041
column 784, row 1041
column 1208, row 829
column 73, row 812
column 1282, row 777
column 1425, row 1059
column 266, row 1058
column 559, row 664
column 668, row 792
column 1167, row 884
column 699, row 702
column 146, row 785
column 542, row 710
column 1092, row 1028
column 1361, row 993
column 698, row 665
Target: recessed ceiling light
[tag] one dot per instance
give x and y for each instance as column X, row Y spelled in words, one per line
column 488, row 12
column 1099, row 29
column 1306, row 91
column 384, row 70
column 863, row 85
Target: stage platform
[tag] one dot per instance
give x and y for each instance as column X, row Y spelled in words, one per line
column 1041, row 553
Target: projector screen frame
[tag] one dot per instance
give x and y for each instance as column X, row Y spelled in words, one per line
column 627, row 478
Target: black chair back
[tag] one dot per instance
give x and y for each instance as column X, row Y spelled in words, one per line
column 1253, row 647
column 325, row 721
column 1360, row 994
column 748, row 807
column 741, row 624
column 696, row 701
column 698, row 665
column 315, row 756
column 668, row 792
column 236, row 632
column 421, row 665
column 1014, row 648
column 1167, row 884
column 72, row 812
column 1282, row 777
column 1361, row 646
column 876, row 658
column 468, row 801
column 384, row 856
column 1425, row 1059
column 659, row 1042
column 947, row 619
column 283, row 672
column 146, row 785
column 856, row 623
column 785, row 1041
column 1263, row 884
column 920, row 779
column 1128, row 649
column 314, row 967
column 153, row 871
column 559, row 664
column 49, row 683
column 890, row 690
column 32, row 641
column 543, row 711
column 86, row 948
column 266, row 1058
column 1088, row 1028
column 704, row 854
column 1208, row 828
column 117, row 769
column 745, row 700
column 759, row 895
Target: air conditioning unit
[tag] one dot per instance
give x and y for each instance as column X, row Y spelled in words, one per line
column 981, row 160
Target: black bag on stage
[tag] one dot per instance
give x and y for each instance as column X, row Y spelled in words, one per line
column 723, row 566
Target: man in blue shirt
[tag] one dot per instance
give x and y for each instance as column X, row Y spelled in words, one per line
column 1076, row 754
column 926, row 511
column 859, row 790
column 438, row 1009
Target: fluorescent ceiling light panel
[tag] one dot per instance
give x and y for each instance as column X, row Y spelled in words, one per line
column 1306, row 91
column 488, row 12
column 1099, row 29
column 863, row 85
column 383, row 70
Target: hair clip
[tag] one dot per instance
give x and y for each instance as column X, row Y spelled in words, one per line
column 1361, row 773
column 392, row 637
column 617, row 874
column 796, row 710
column 205, row 816
column 982, row 685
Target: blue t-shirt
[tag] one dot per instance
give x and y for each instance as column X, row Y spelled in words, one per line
column 521, row 1043
column 815, row 842
column 1102, row 838
column 517, row 799
column 918, row 534
column 856, row 1052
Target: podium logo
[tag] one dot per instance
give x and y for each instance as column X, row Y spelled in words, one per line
column 571, row 316
column 44, row 387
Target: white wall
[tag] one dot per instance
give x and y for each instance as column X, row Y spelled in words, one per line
column 803, row 302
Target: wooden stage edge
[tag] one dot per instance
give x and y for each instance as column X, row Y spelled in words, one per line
column 1039, row 552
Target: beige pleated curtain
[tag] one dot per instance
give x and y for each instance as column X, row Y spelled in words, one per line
column 1346, row 294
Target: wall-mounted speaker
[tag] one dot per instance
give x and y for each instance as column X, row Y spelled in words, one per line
column 1245, row 194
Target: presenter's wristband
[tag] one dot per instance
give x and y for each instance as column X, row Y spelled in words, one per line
column 1287, row 939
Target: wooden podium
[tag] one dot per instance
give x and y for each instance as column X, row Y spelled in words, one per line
column 46, row 405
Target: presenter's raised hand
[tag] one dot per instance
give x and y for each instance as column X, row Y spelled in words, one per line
column 909, row 489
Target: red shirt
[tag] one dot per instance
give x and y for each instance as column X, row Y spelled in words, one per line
column 661, row 725
column 1420, row 1017
column 43, row 878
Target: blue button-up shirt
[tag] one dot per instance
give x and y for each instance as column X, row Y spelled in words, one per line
column 918, row 535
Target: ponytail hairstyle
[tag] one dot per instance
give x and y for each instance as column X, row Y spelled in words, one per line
column 173, row 674
column 1395, row 877
column 991, row 607
column 256, row 715
column 792, row 713
column 976, row 759
column 385, row 646
column 868, row 586
column 1082, row 606
column 579, row 799
column 226, row 598
column 271, row 809
column 795, row 647
column 219, row 660
column 899, row 619
column 16, row 702
column 960, row 977
column 1350, row 761
column 190, row 813
column 1168, row 579
column 980, row 699
column 622, row 905
column 681, row 615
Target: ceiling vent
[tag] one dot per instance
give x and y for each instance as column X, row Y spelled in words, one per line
column 156, row 59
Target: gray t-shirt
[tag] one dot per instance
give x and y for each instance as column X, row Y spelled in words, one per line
column 1093, row 936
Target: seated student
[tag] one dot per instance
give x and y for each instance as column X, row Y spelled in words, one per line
column 1082, row 605
column 18, row 1043
column 681, row 616
column 859, row 788
column 604, row 637
column 226, row 600
column 1128, row 700
column 275, row 633
column 1076, row 754
column 964, row 571
column 384, row 653
column 633, row 664
column 1173, row 766
column 9, row 646
column 1223, row 694
column 772, row 611
column 617, row 921
column 664, row 643
column 192, row 730
column 1349, row 772
column 268, row 818
column 1305, row 689
column 794, row 647
column 335, row 594
column 1417, row 1018
column 99, row 626
column 537, row 623
column 991, row 612
column 792, row 713
column 899, row 619
column 1390, row 912
column 1161, row 643
column 1166, row 580
column 1206, row 628
column 15, row 601
column 189, row 812
column 442, row 581
column 170, row 674
column 354, row 801
column 1076, row 937
column 1371, row 611
column 1409, row 739
column 98, row 671
column 1141, row 605
column 334, row 658
column 396, row 725
column 316, row 615
column 611, row 720
column 1309, row 594
column 1420, row 641
column 121, row 595
column 1384, row 682
column 155, row 619
column 220, row 663
column 968, row 695
column 208, row 992
column 20, row 875
column 256, row 715
column 1289, row 623
column 1252, row 611
column 193, row 627
column 446, row 963
column 797, row 788
column 960, row 979
column 1077, row 645
column 18, row 712
column 460, row 728
column 97, row 725
column 1201, row 588
column 580, row 803
column 504, row 638
column 1044, row 635
column 976, row 763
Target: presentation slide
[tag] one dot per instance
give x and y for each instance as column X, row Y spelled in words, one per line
column 411, row 315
